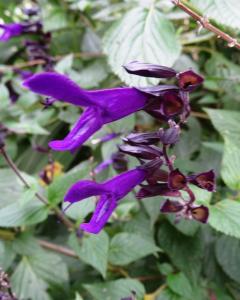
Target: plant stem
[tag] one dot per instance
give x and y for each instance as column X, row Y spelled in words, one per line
column 56, row 58
column 205, row 23
column 56, row 210
column 57, row 248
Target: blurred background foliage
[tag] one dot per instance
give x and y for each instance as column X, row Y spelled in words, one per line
column 141, row 250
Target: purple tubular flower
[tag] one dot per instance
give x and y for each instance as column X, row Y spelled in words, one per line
column 11, row 30
column 149, row 70
column 205, row 180
column 159, row 89
column 143, row 152
column 189, row 80
column 176, row 180
column 110, row 191
column 103, row 106
column 159, row 189
column 148, row 138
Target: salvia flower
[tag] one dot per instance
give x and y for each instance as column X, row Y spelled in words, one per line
column 16, row 29
column 103, row 106
column 205, row 180
column 110, row 192
column 189, row 80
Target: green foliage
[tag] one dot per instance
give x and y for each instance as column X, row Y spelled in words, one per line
column 140, row 250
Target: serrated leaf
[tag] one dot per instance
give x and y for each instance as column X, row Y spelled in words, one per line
column 226, row 12
column 126, row 248
column 227, row 252
column 180, row 285
column 26, row 284
column 185, row 252
column 79, row 210
column 16, row 214
column 115, row 290
column 152, row 39
column 93, row 250
column 227, row 123
column 224, row 217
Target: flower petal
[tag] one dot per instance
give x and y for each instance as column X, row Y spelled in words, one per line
column 83, row 189
column 122, row 184
column 105, row 207
column 149, row 70
column 118, row 102
column 59, row 87
column 189, row 80
column 89, row 122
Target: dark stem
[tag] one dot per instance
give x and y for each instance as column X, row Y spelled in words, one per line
column 57, row 248
column 56, row 210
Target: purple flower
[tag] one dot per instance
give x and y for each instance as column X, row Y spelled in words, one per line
column 176, row 180
column 158, row 189
column 16, row 29
column 187, row 210
column 110, row 192
column 11, row 30
column 103, row 106
column 117, row 160
column 148, row 138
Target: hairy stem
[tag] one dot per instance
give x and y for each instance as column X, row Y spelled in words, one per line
column 205, row 23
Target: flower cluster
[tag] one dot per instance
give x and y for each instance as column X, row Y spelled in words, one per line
column 170, row 103
column 5, row 287
column 36, row 48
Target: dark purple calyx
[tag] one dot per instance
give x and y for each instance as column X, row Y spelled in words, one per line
column 149, row 70
column 159, row 189
column 171, row 207
column 176, row 180
column 205, row 180
column 200, row 213
column 189, row 80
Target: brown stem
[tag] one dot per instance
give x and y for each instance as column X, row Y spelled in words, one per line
column 199, row 115
column 56, row 210
column 205, row 23
column 57, row 248
column 56, row 58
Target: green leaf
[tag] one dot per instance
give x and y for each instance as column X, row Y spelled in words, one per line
column 151, row 39
column 185, row 252
column 180, row 284
column 7, row 254
column 65, row 64
column 115, row 290
column 16, row 214
column 79, row 210
column 226, row 12
column 26, row 283
column 228, row 125
column 126, row 248
column 227, row 252
column 152, row 206
column 224, row 217
column 93, row 250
